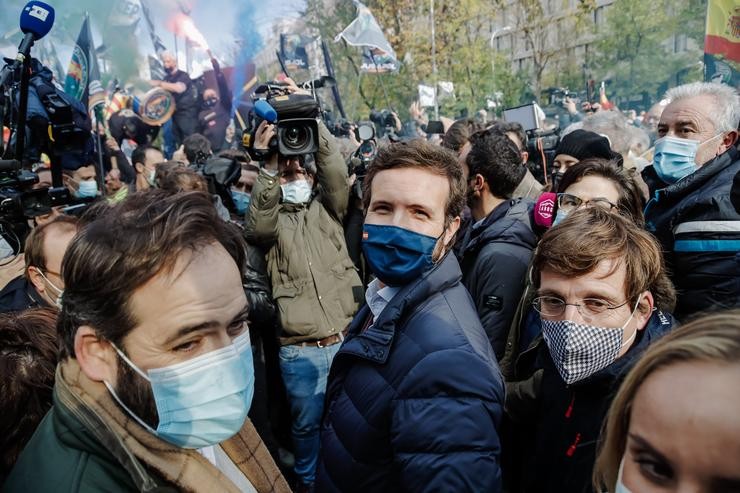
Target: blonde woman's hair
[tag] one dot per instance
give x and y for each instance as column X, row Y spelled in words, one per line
column 713, row 338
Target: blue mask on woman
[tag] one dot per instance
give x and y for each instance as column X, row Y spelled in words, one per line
column 193, row 411
column 241, row 201
column 396, row 255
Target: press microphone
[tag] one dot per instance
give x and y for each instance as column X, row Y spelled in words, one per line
column 264, row 110
column 37, row 19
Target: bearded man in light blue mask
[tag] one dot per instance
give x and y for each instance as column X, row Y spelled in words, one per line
column 690, row 211
column 156, row 375
column 295, row 213
column 415, row 395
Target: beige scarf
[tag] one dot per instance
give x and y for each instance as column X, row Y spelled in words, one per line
column 135, row 447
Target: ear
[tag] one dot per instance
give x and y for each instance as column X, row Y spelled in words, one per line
column 139, row 167
column 644, row 310
column 35, row 278
column 525, row 157
column 478, row 183
column 96, row 356
column 729, row 140
column 68, row 182
column 451, row 230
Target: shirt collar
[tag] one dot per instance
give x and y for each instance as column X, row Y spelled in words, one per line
column 377, row 298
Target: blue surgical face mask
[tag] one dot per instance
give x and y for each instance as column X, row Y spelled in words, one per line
column 396, row 255
column 202, row 401
column 559, row 217
column 674, row 157
column 620, row 487
column 87, row 189
column 241, row 201
column 296, row 192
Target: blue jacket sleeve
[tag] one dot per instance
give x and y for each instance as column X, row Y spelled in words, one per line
column 445, row 421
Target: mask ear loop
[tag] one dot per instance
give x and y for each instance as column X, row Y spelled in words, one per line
column 634, row 334
column 118, row 399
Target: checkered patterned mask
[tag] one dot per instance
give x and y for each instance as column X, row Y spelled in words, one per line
column 580, row 350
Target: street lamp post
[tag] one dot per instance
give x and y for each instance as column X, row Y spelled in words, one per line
column 494, row 35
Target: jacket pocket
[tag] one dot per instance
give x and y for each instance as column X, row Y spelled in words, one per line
column 287, row 300
column 347, row 277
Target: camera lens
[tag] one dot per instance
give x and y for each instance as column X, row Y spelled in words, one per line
column 295, row 137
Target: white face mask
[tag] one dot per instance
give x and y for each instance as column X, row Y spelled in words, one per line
column 296, row 192
column 620, row 487
column 60, row 292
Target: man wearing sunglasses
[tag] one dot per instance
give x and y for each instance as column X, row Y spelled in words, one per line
column 601, row 295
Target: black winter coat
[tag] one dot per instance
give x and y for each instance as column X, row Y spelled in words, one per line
column 699, row 229
column 495, row 258
column 414, row 401
column 19, row 295
column 566, row 420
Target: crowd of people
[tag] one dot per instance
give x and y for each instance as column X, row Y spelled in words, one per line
column 453, row 318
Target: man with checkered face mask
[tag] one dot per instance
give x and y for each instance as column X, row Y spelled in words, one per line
column 601, row 295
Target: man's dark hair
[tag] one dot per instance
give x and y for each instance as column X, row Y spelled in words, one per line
column 631, row 202
column 139, row 154
column 498, row 160
column 28, row 359
column 122, row 249
column 197, row 148
column 423, row 155
column 459, row 133
column 512, row 127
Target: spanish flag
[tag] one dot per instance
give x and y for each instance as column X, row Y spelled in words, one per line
column 722, row 42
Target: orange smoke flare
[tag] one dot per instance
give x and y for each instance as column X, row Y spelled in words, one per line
column 184, row 26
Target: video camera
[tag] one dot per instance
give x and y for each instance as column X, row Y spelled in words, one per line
column 385, row 120
column 295, row 117
column 363, row 156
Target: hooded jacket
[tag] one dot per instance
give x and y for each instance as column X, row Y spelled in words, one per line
column 560, row 432
column 699, row 230
column 414, row 400
column 495, row 258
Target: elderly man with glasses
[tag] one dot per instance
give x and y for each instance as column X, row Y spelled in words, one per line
column 603, row 296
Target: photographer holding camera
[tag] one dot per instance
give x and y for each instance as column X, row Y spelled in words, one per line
column 296, row 213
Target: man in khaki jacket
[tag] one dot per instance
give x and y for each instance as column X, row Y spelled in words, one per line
column 296, row 215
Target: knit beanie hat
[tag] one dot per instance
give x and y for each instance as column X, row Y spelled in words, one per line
column 582, row 144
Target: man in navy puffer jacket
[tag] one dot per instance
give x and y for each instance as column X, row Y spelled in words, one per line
column 415, row 395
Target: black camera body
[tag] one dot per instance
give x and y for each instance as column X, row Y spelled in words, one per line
column 295, row 118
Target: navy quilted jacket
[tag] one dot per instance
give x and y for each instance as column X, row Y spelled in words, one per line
column 415, row 400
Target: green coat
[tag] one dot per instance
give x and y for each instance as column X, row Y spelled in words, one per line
column 314, row 282
column 64, row 456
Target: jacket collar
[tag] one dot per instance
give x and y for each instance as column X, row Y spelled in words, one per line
column 501, row 224
column 374, row 342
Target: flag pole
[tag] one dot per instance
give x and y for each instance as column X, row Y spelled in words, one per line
column 382, row 82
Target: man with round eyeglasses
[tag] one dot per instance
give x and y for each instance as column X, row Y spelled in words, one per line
column 603, row 296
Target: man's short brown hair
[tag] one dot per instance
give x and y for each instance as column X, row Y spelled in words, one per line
column 34, row 255
column 124, row 247
column 422, row 155
column 587, row 236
